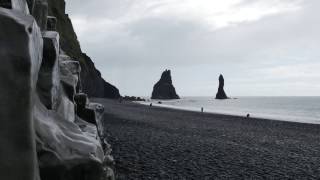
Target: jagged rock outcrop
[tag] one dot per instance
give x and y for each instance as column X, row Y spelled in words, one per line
column 69, row 79
column 164, row 88
column 92, row 82
column 221, row 94
column 43, row 134
column 48, row 78
column 18, row 5
column 40, row 13
column 21, row 54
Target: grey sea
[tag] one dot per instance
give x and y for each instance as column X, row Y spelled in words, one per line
column 296, row 109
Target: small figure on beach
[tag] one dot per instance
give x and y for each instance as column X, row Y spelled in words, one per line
column 202, row 109
column 248, row 115
column 150, row 104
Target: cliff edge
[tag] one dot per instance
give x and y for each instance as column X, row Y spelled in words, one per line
column 92, row 82
column 61, row 133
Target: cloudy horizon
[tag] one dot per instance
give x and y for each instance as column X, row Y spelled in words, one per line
column 262, row 47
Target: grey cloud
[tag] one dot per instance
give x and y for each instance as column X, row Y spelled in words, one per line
column 134, row 55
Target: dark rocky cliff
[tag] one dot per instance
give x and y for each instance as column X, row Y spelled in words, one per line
column 62, row 134
column 164, row 88
column 92, row 82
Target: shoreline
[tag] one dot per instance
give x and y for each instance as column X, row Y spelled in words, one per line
column 161, row 143
column 252, row 116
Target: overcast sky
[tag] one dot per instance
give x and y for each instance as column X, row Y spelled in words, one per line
column 262, row 47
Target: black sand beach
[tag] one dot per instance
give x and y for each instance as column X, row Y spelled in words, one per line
column 159, row 143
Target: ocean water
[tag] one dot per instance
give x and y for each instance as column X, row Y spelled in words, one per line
column 297, row 109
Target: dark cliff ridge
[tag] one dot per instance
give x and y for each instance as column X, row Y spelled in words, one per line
column 221, row 94
column 92, row 82
column 62, row 134
column 164, row 88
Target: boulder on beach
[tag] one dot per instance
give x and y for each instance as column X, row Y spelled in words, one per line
column 221, row 94
column 164, row 88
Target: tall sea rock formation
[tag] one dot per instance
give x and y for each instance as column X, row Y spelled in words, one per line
column 221, row 94
column 164, row 88
column 92, row 82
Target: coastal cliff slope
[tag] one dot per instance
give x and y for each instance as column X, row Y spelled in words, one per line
column 61, row 134
column 92, row 82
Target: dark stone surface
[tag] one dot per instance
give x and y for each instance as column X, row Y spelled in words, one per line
column 164, row 88
column 83, row 111
column 18, row 5
column 6, row 4
column 20, row 55
column 30, row 5
column 132, row 98
column 51, row 23
column 92, row 82
column 40, row 13
column 87, row 115
column 70, row 74
column 221, row 94
column 168, row 144
column 81, row 100
column 92, row 171
column 48, row 82
column 69, row 78
column 99, row 113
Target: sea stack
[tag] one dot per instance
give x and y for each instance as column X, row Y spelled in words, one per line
column 221, row 94
column 164, row 88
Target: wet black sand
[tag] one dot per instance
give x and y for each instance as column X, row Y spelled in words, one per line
column 159, row 143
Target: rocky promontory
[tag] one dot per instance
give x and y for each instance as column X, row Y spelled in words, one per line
column 221, row 93
column 92, row 82
column 49, row 128
column 164, row 88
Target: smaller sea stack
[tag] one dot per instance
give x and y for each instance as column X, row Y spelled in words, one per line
column 221, row 94
column 164, row 88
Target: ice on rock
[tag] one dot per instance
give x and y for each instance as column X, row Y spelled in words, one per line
column 20, row 53
column 49, row 81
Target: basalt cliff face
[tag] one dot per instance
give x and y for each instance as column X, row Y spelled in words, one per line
column 221, row 93
column 164, row 88
column 92, row 82
column 49, row 128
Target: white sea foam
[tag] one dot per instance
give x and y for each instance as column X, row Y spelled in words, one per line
column 296, row 109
